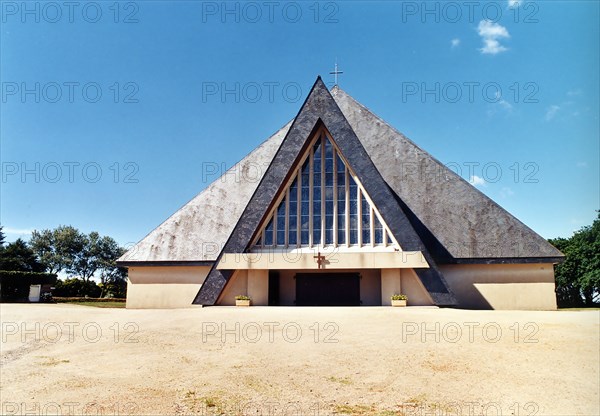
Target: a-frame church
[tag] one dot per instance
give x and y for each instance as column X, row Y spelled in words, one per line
column 339, row 208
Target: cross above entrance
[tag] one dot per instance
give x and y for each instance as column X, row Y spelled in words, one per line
column 320, row 259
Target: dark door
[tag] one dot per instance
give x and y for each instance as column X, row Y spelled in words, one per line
column 327, row 289
column 273, row 288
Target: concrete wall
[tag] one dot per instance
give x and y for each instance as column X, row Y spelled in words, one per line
column 258, row 287
column 390, row 285
column 502, row 286
column 370, row 287
column 164, row 287
column 238, row 285
column 476, row 286
column 403, row 281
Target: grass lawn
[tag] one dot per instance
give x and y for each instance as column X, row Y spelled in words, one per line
column 97, row 304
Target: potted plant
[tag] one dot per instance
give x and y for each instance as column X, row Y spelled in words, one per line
column 399, row 300
column 242, row 300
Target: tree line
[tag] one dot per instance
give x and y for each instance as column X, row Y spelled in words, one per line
column 67, row 250
column 578, row 277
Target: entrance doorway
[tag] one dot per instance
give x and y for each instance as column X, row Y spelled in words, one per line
column 328, row 289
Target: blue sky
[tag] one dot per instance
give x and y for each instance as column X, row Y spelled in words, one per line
column 112, row 114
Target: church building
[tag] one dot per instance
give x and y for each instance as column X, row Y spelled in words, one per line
column 338, row 208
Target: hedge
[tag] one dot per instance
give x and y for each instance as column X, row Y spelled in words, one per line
column 14, row 286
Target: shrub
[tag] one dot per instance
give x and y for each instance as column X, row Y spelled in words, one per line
column 83, row 299
column 14, row 285
column 399, row 297
column 77, row 288
column 114, row 289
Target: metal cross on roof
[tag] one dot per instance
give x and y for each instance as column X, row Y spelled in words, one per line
column 335, row 73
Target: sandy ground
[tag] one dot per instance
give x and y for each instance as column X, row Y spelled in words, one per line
column 67, row 359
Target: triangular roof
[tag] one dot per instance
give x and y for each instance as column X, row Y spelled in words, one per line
column 320, row 109
column 463, row 225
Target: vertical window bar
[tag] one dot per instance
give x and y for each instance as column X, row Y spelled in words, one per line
column 359, row 214
column 341, row 195
column 305, row 202
column 335, row 206
column 292, row 213
column 372, row 224
column 280, row 216
column 298, row 212
column 317, row 182
column 378, row 227
column 269, row 232
column 310, row 198
column 275, row 227
column 299, row 207
column 347, row 182
column 323, row 163
column 287, row 217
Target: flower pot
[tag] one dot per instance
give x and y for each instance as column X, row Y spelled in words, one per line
column 242, row 303
column 398, row 302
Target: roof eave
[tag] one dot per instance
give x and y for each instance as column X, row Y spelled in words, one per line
column 165, row 263
column 503, row 260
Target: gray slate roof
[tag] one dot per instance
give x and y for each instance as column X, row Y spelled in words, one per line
column 199, row 229
column 454, row 219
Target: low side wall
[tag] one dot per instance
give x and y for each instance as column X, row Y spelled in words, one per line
column 237, row 285
column 502, row 286
column 252, row 283
column 164, row 287
column 414, row 289
column 403, row 281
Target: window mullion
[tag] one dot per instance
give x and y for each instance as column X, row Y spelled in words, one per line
column 323, row 163
column 287, row 217
column 335, row 202
column 359, row 210
column 347, row 213
column 372, row 224
column 275, row 226
column 310, row 198
column 298, row 207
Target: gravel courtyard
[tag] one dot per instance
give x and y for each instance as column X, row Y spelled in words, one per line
column 67, row 359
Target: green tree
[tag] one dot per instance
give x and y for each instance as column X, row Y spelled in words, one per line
column 86, row 261
column 57, row 248
column 578, row 277
column 82, row 256
column 18, row 256
column 111, row 276
column 1, row 238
